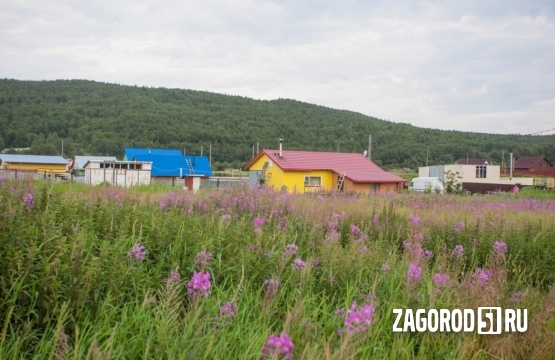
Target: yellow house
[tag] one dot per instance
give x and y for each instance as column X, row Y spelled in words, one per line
column 33, row 163
column 310, row 171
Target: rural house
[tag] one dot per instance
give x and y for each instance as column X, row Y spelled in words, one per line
column 33, row 163
column 533, row 163
column 476, row 178
column 309, row 171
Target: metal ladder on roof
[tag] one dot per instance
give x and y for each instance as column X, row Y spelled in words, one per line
column 190, row 166
column 340, row 182
column 262, row 174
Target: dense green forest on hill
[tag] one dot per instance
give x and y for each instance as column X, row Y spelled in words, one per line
column 97, row 118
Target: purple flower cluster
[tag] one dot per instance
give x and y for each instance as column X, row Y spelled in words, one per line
column 458, row 252
column 2, row 180
column 29, row 201
column 290, row 250
column 355, row 230
column 226, row 217
column 298, row 264
column 227, row 311
column 386, row 267
column 414, row 220
column 500, row 247
column 202, row 259
column 414, row 274
column 173, row 278
column 480, row 277
column 137, row 252
column 440, row 279
column 199, row 284
column 357, row 321
column 459, row 226
column 279, row 346
column 258, row 222
column 271, row 286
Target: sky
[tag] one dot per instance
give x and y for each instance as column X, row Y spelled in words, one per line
column 481, row 66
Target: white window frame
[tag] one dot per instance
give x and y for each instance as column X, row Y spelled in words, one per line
column 307, row 181
column 481, row 171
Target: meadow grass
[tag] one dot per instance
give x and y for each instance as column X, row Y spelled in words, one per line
column 109, row 273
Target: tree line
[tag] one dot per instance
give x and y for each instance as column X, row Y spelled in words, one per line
column 94, row 118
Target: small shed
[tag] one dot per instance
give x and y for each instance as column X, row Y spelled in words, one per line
column 117, row 173
column 79, row 162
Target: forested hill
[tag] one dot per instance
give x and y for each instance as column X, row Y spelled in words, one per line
column 96, row 119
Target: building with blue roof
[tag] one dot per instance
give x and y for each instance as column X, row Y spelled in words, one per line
column 177, row 166
column 130, row 153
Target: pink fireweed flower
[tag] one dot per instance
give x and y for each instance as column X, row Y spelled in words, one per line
column 428, row 253
column 227, row 311
column 29, row 201
column 414, row 274
column 2, row 180
column 290, row 250
column 226, row 217
column 440, row 279
column 173, row 278
column 363, row 250
column 298, row 264
column 258, row 222
column 320, row 198
column 199, row 284
column 500, row 247
column 458, row 252
column 357, row 321
column 480, row 277
column 203, row 258
column 414, row 220
column 138, row 252
column 271, row 284
column 459, row 226
column 418, row 237
column 515, row 189
column 386, row 267
column 277, row 346
column 355, row 230
column 315, row 262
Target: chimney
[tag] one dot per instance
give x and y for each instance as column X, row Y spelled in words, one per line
column 280, row 148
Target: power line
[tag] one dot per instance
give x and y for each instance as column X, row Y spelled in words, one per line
column 539, row 132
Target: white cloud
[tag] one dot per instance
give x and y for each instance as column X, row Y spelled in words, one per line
column 455, row 65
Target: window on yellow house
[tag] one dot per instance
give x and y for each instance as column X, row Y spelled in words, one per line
column 312, row 181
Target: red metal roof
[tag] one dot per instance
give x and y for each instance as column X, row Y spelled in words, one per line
column 355, row 166
column 527, row 162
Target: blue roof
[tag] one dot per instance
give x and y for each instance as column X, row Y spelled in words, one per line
column 130, row 153
column 176, row 165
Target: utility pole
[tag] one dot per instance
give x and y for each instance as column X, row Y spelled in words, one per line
column 511, row 170
column 502, row 160
column 427, row 152
column 201, row 148
column 253, row 151
column 62, row 147
column 256, row 148
column 337, row 147
column 210, row 159
column 370, row 147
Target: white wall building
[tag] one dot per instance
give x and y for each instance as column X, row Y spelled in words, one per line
column 477, row 178
column 117, row 173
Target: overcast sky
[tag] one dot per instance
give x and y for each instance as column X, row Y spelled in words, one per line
column 486, row 66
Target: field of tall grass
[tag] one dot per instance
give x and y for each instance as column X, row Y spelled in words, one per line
column 109, row 273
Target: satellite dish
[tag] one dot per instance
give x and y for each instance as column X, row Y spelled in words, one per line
column 365, row 153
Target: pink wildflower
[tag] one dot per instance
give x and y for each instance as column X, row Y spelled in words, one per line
column 414, row 274
column 500, row 247
column 199, row 284
column 138, row 252
column 278, row 345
